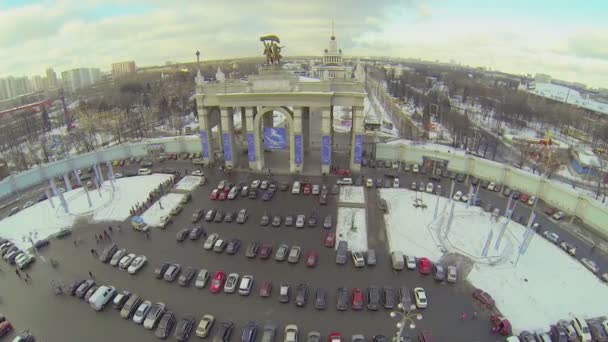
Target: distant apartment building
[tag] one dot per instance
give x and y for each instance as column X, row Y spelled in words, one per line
column 14, row 86
column 123, row 68
column 75, row 79
column 51, row 78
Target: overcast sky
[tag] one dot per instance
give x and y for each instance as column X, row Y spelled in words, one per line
column 566, row 39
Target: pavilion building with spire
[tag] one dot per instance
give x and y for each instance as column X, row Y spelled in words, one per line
column 332, row 65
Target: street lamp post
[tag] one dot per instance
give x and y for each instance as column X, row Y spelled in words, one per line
column 407, row 317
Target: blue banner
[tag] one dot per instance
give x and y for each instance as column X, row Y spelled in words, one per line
column 358, row 148
column 274, row 138
column 204, row 143
column 486, row 246
column 297, row 141
column 227, row 146
column 326, row 150
column 251, row 146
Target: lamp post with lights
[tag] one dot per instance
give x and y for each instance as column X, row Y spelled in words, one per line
column 407, row 317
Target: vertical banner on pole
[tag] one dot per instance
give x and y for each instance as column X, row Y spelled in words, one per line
column 64, row 203
column 86, row 192
column 501, row 234
column 66, row 180
column 53, row 186
column 475, row 195
column 450, row 219
column 526, row 241
column 204, row 143
column 297, row 141
column 96, row 170
column 486, row 246
column 358, row 148
column 531, row 219
column 98, row 187
column 326, row 150
column 508, row 208
column 452, row 190
column 436, row 207
column 470, row 196
column 251, row 148
column 111, row 176
column 77, row 177
column 227, row 147
column 100, row 174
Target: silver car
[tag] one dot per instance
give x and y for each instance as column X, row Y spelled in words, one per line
column 452, row 274
column 300, row 221
column 294, row 254
column 281, row 253
column 327, row 222
column 231, row 283
column 156, row 312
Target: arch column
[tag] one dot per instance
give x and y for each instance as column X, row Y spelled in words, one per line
column 228, row 146
column 205, row 134
column 325, row 139
column 253, row 151
column 296, row 155
column 357, row 136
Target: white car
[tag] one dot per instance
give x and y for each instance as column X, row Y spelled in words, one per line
column 198, row 173
column 291, row 333
column 420, row 296
column 590, row 264
column 255, row 184
column 144, row 171
column 295, row 188
column 345, row 181
column 396, row 182
column 415, row 168
column 221, row 184
column 28, row 204
column 117, row 257
column 231, row 282
column 457, row 196
column 410, row 262
column 264, row 185
column 164, row 221
column 316, row 189
column 141, row 312
column 300, row 221
column 137, row 264
column 568, row 248
column 604, row 277
column 126, row 261
column 201, row 279
column 210, row 241
column 358, row 259
column 531, row 200
column 551, row 236
column 23, row 260
column 369, row 183
column 491, row 186
column 464, row 198
column 429, row 188
column 559, row 215
column 582, row 329
column 233, row 192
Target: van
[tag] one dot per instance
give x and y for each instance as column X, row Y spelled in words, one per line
column 245, row 285
column 295, row 189
column 582, row 329
column 405, row 297
column 341, row 252
column 397, row 260
column 130, row 306
column 371, row 257
column 101, row 297
column 144, row 172
column 345, row 181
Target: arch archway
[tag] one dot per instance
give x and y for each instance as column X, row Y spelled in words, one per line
column 257, row 124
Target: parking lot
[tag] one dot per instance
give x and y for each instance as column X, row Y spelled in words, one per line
column 60, row 317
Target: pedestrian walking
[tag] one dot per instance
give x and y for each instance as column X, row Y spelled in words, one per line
column 27, row 276
column 18, row 273
column 75, row 244
column 118, row 228
column 91, row 275
column 463, row 316
column 110, row 229
column 474, row 315
column 204, row 233
column 147, row 235
column 92, row 251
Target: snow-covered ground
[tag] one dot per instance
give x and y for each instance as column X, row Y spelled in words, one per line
column 352, row 194
column 42, row 220
column 157, row 210
column 352, row 228
column 545, row 286
column 188, row 183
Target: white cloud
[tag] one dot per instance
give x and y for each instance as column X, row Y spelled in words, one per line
column 65, row 34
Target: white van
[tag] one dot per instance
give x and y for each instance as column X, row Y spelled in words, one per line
column 345, row 181
column 144, row 172
column 397, row 260
column 296, row 188
column 245, row 285
column 101, row 297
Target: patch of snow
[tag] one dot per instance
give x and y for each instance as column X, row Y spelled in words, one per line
column 41, row 220
column 532, row 295
column 352, row 228
column 429, row 146
column 352, row 194
column 308, row 79
column 157, row 210
column 188, row 183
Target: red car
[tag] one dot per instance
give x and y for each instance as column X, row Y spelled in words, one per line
column 312, row 258
column 5, row 328
column 223, row 195
column 357, row 299
column 265, row 251
column 330, row 239
column 424, row 265
column 343, row 172
column 484, row 298
column 550, row 211
column 307, row 189
column 524, row 198
column 266, row 289
column 217, row 282
column 334, row 337
column 214, row 194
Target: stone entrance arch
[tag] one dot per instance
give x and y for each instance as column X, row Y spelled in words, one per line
column 257, row 124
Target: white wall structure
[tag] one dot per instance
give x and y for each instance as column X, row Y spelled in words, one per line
column 555, row 194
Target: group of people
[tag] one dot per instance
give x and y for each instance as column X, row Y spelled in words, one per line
column 140, row 207
column 26, row 276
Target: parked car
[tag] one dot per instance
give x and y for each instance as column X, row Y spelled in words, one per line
column 141, row 312
column 137, row 264
column 284, row 290
column 165, row 325
column 183, row 329
column 217, row 282
column 568, row 248
column 172, row 272
column 484, row 298
column 341, row 252
column 242, row 216
column 301, row 295
column 373, row 297
column 388, row 293
column 233, row 246
column 294, row 254
column 186, row 277
column 210, row 242
column 370, row 257
column 204, row 326
column 201, row 279
column 252, row 249
column 300, row 221
column 320, row 299
column 312, row 258
column 342, row 299
column 265, row 251
column 420, row 298
column 330, row 239
column 438, row 272
column 266, row 289
column 245, row 285
column 358, row 259
column 590, row 264
column 559, row 215
column 452, row 275
column 551, row 236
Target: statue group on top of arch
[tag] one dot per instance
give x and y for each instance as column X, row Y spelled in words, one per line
column 272, row 50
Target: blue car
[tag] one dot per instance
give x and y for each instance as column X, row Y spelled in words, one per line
column 268, row 195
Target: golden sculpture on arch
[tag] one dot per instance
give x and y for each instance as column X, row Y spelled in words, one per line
column 272, row 50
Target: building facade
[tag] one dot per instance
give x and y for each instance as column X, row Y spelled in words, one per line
column 75, row 79
column 332, row 65
column 123, row 68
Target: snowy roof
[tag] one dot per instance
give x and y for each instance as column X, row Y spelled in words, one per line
column 568, row 95
column 308, row 79
column 588, row 158
column 429, row 146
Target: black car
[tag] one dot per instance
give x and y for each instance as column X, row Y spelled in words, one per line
column 184, row 328
column 379, row 338
column 84, row 287
column 389, row 297
column 373, row 298
column 288, row 221
column 197, row 215
column 233, row 246
column 229, row 216
column 222, row 334
column 161, row 269
column 219, row 216
column 252, row 249
column 342, row 299
column 284, row 186
column 165, row 325
column 460, row 178
column 474, row 180
column 249, row 332
column 515, row 195
column 108, row 252
column 73, row 286
column 186, row 277
column 378, row 182
column 265, row 220
column 312, row 220
column 195, row 233
column 301, row 295
column 321, row 299
column 42, row 243
column 253, row 194
column 182, row 234
column 445, row 173
column 323, row 199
